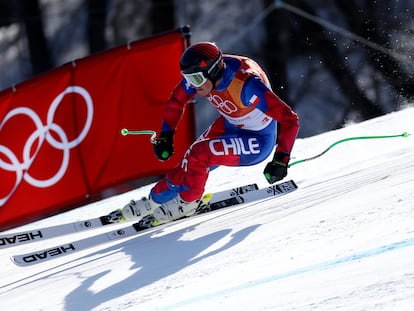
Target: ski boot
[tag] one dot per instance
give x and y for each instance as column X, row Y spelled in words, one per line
column 158, row 214
column 172, row 210
column 137, row 209
column 175, row 209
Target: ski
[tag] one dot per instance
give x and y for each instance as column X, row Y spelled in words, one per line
column 115, row 217
column 135, row 229
column 260, row 194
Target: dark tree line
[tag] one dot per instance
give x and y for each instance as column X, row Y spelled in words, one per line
column 290, row 35
column 28, row 13
column 324, row 56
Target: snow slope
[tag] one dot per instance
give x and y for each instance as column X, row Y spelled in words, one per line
column 344, row 240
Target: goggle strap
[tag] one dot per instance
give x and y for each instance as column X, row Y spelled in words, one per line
column 214, row 64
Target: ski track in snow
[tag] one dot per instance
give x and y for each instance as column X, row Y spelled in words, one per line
column 344, row 240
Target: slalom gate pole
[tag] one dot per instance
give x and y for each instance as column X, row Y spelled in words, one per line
column 153, row 134
column 405, row 134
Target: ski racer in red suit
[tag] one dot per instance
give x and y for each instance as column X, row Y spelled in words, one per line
column 252, row 121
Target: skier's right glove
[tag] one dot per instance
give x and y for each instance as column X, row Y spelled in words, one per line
column 163, row 145
column 277, row 169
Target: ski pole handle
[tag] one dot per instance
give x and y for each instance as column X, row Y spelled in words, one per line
column 153, row 134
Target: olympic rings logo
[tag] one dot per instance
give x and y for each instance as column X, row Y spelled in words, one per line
column 227, row 107
column 40, row 135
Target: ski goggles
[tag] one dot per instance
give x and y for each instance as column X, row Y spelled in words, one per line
column 195, row 79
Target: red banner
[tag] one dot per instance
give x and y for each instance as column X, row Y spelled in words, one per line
column 60, row 133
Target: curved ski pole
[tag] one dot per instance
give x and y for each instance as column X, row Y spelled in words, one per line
column 405, row 134
column 153, row 134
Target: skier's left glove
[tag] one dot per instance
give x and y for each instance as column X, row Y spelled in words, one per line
column 277, row 168
column 163, row 145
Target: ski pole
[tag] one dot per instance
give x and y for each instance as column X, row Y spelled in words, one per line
column 153, row 134
column 405, row 134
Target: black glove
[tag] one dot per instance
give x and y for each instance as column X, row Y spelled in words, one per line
column 277, row 168
column 163, row 145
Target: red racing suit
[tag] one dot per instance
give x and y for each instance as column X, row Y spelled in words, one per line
column 252, row 120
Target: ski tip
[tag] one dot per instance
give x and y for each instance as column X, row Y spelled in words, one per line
column 17, row 262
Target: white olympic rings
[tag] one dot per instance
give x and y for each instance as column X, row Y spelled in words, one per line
column 41, row 134
column 226, row 106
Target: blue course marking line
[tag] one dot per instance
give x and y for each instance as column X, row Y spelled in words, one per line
column 276, row 277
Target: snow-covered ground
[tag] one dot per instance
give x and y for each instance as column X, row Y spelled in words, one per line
column 343, row 241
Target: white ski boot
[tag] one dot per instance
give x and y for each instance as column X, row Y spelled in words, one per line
column 175, row 209
column 136, row 209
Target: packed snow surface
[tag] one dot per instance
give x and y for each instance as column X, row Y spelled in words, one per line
column 343, row 241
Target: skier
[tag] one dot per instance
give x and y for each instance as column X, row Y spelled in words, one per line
column 252, row 120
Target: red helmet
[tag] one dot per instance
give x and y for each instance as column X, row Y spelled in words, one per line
column 200, row 61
